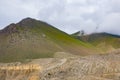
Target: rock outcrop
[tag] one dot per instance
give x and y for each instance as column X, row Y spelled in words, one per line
column 19, row 71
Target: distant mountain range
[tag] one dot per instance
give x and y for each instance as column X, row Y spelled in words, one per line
column 104, row 41
column 31, row 39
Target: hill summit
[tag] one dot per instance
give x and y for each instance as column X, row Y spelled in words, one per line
column 30, row 39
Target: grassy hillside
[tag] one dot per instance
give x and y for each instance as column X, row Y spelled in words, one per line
column 104, row 41
column 31, row 39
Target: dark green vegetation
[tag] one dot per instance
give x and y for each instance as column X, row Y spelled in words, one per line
column 30, row 39
column 103, row 41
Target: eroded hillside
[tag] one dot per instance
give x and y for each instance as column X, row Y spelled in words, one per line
column 94, row 67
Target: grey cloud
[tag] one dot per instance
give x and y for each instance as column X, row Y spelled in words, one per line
column 111, row 23
column 67, row 15
column 15, row 10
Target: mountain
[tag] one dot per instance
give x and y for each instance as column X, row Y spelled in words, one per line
column 103, row 41
column 31, row 39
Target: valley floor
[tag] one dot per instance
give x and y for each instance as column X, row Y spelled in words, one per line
column 93, row 67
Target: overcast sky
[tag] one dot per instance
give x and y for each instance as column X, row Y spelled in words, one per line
column 67, row 15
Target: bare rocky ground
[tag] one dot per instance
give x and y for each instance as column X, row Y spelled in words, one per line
column 93, row 67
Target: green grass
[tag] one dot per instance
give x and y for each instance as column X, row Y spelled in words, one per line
column 103, row 41
column 27, row 42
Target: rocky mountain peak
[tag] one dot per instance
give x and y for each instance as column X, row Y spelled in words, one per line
column 28, row 19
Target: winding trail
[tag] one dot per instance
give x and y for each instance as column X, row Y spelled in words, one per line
column 62, row 61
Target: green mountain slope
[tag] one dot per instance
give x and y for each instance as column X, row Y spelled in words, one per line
column 103, row 41
column 31, row 39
